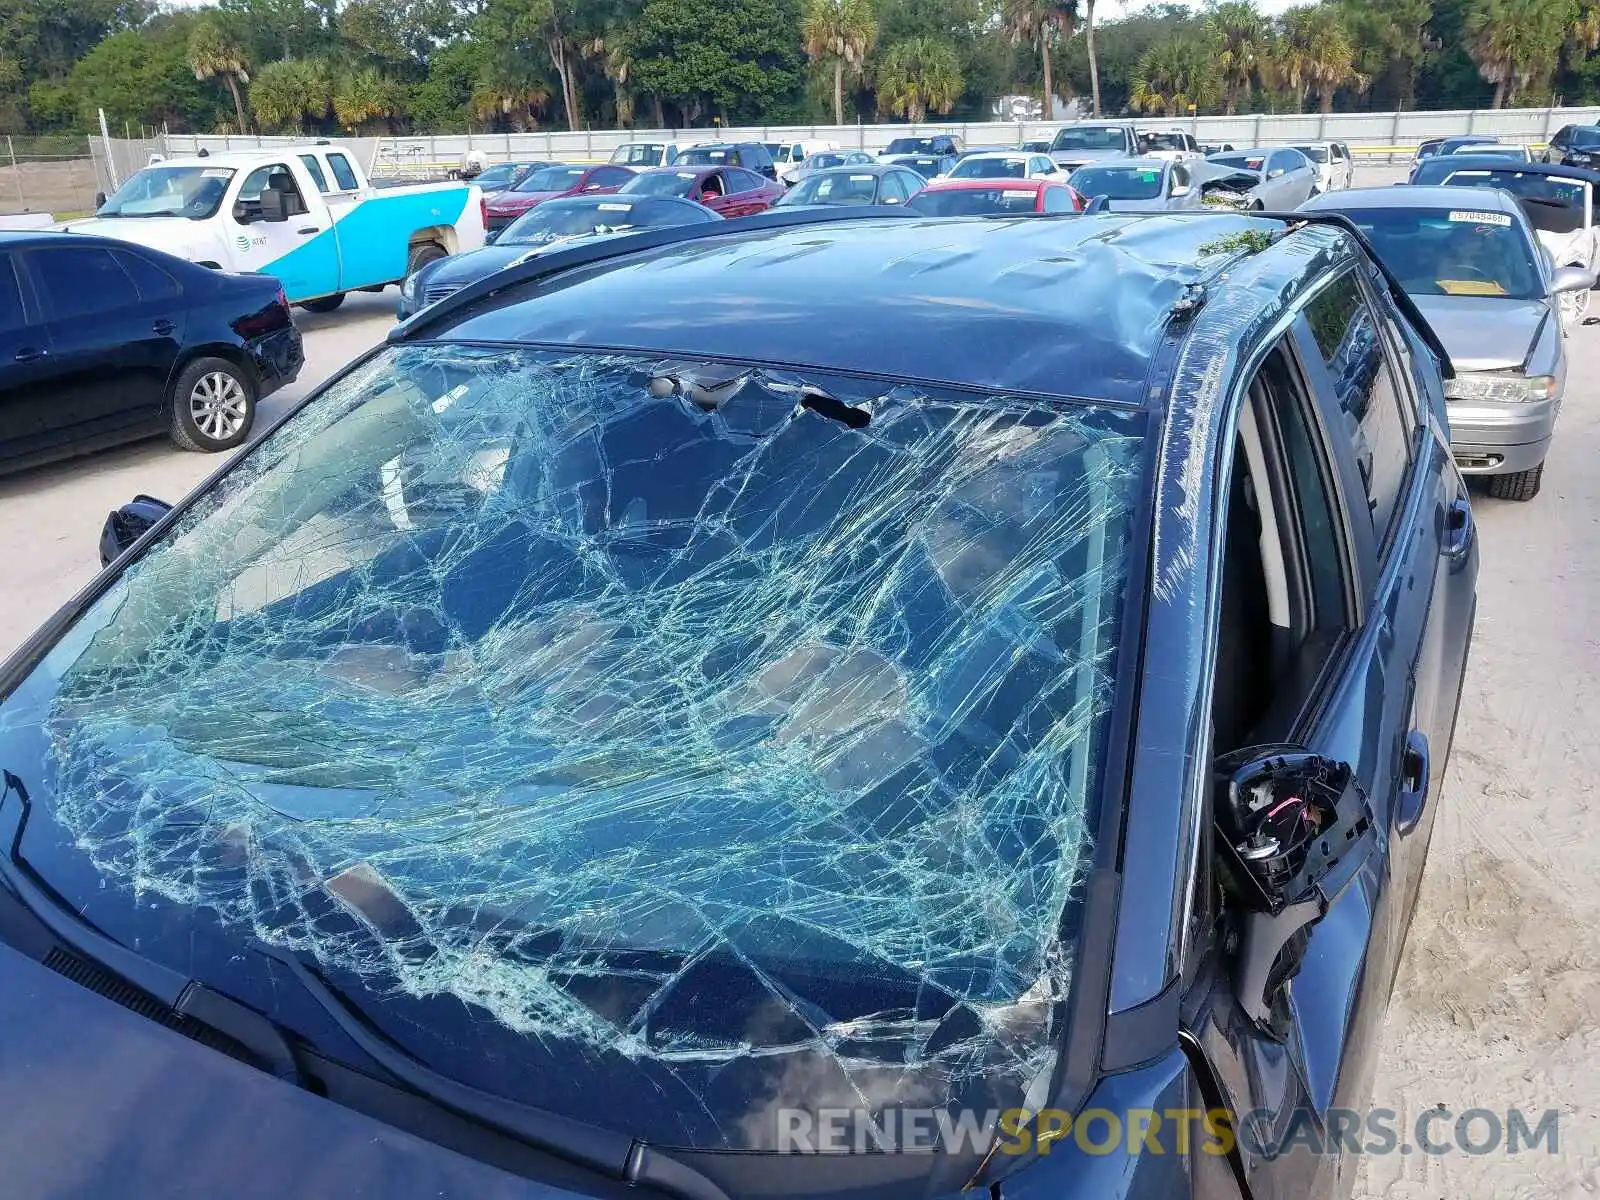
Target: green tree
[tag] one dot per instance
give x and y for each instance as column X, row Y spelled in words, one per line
column 215, row 54
column 1516, row 43
column 1241, row 39
column 917, row 75
column 739, row 59
column 1176, row 77
column 1094, row 62
column 289, row 93
column 1317, row 55
column 144, row 78
column 278, row 29
column 1038, row 23
column 840, row 33
column 1391, row 41
column 397, row 34
column 363, row 97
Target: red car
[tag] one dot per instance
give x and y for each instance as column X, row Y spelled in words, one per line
column 548, row 182
column 996, row 197
column 730, row 191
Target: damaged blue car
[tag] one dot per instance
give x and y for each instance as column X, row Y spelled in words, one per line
column 867, row 707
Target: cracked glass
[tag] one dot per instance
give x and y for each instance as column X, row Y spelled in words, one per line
column 706, row 740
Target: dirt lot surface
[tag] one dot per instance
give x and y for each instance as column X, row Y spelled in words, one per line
column 1498, row 1001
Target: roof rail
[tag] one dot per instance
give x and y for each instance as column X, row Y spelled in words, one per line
column 543, row 266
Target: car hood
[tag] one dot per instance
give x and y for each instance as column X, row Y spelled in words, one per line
column 118, row 1105
column 1076, row 158
column 461, row 269
column 174, row 235
column 1154, row 204
column 1481, row 333
column 520, row 201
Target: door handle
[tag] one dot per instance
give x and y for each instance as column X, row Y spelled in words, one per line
column 30, row 354
column 163, row 327
column 1414, row 780
column 307, row 230
column 1459, row 528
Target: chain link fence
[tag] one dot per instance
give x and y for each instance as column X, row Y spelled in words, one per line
column 48, row 176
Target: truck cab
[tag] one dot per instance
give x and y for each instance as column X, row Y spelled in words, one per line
column 305, row 214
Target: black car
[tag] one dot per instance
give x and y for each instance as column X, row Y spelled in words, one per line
column 1574, row 146
column 102, row 342
column 552, row 223
column 743, row 700
column 938, row 145
column 752, row 156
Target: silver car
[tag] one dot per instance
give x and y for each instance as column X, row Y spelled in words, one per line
column 1288, row 178
column 1331, row 161
column 824, row 160
column 1140, row 184
column 1471, row 262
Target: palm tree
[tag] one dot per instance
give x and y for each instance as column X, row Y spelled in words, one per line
column 214, row 54
column 1317, row 55
column 842, row 32
column 1516, row 43
column 1094, row 63
column 289, row 91
column 918, row 74
column 1175, row 76
column 1241, row 42
column 363, row 96
column 1037, row 22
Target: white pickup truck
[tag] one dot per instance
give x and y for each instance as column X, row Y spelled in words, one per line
column 305, row 214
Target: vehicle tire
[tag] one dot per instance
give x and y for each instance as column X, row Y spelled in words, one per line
column 1257, row 206
column 1521, row 485
column 212, row 407
column 324, row 304
column 422, row 254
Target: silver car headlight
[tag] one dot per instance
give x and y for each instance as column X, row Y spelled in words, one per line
column 1500, row 387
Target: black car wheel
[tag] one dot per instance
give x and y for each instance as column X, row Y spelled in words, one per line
column 424, row 254
column 324, row 304
column 1521, row 485
column 213, row 406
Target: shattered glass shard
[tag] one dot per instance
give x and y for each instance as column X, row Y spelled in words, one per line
column 638, row 704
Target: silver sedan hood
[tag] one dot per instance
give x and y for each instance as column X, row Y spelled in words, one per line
column 1482, row 333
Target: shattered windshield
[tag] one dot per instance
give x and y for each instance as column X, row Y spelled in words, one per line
column 667, row 743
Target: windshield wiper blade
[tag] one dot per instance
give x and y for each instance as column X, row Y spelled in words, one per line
column 615, row 1155
column 185, row 998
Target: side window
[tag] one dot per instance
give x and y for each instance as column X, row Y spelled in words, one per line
column 610, row 177
column 797, row 152
column 314, row 169
column 82, row 282
column 1562, row 137
column 247, row 207
column 1057, row 200
column 1378, row 420
column 1284, row 571
column 153, row 282
column 343, row 173
column 747, row 181
column 13, row 316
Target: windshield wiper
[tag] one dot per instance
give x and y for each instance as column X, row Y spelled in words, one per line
column 615, row 1155
column 184, row 999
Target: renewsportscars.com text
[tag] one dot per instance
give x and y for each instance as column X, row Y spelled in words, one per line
column 1377, row 1131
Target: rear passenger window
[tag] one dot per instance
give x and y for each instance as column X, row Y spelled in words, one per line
column 343, row 173
column 1378, row 421
column 12, row 315
column 1057, row 200
column 153, row 282
column 309, row 161
column 82, row 282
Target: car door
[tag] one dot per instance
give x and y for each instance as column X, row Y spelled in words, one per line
column 33, row 413
column 301, row 251
column 115, row 350
column 747, row 192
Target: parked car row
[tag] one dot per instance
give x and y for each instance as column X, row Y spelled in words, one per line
column 881, row 666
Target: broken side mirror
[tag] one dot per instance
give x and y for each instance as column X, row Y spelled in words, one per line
column 1571, row 279
column 1293, row 830
column 128, row 524
column 99, row 201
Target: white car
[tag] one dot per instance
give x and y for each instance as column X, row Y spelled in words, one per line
column 644, row 155
column 1174, row 145
column 1510, row 150
column 1002, row 164
column 1335, row 169
column 788, row 155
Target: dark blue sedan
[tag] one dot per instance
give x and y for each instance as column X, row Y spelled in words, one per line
column 726, row 705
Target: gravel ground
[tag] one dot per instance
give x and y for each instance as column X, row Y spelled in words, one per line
column 1498, row 1000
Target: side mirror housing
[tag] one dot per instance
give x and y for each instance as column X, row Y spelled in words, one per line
column 128, row 524
column 1292, row 830
column 1274, row 173
column 99, row 201
column 1571, row 279
column 491, row 237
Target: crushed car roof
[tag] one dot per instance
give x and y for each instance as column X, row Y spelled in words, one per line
column 1066, row 306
